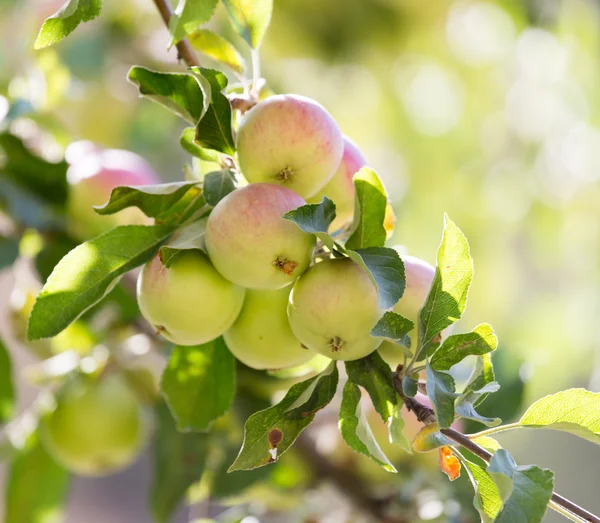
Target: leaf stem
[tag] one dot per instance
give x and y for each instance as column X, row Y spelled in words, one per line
column 566, row 513
column 495, row 430
column 255, row 73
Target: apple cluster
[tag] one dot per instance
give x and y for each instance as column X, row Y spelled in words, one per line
column 256, row 283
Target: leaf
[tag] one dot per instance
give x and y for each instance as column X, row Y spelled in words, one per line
column 370, row 202
column 355, row 428
column 482, row 375
column 250, row 19
column 9, row 251
column 270, row 432
column 487, row 498
column 410, row 386
column 447, row 297
column 7, row 389
column 449, row 463
column 190, row 237
column 574, row 410
column 441, row 392
column 525, row 491
column 481, row 340
column 152, row 200
column 179, row 461
column 430, row 438
column 181, row 93
column 395, row 328
column 386, row 270
column 188, row 15
column 465, row 405
column 199, row 384
column 36, row 486
column 187, row 142
column 396, row 429
column 315, row 218
column 65, row 21
column 89, row 272
column 216, row 47
column 217, row 185
column 488, row 443
column 213, row 131
column 375, row 376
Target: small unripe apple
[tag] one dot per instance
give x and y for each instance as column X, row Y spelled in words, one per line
column 94, row 172
column 188, row 303
column 261, row 336
column 251, row 244
column 419, row 276
column 292, row 141
column 340, row 189
column 97, row 428
column 333, row 308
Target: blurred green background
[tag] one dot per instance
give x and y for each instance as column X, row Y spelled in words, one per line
column 487, row 111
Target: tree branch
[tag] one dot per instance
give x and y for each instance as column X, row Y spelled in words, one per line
column 427, row 416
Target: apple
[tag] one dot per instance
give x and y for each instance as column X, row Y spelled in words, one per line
column 332, row 309
column 93, row 173
column 261, row 336
column 292, row 141
column 97, row 428
column 251, row 244
column 188, row 303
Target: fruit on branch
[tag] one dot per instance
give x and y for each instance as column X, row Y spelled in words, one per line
column 261, row 336
column 188, row 303
column 340, row 189
column 292, row 141
column 97, row 428
column 94, row 172
column 333, row 308
column 419, row 276
column 251, row 244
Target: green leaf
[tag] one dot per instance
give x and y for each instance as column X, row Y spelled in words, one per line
column 179, row 462
column 250, row 19
column 370, row 202
column 9, row 251
column 188, row 15
column 355, row 428
column 481, row 340
column 216, row 47
column 188, row 143
column 89, row 272
column 386, row 270
column 482, row 376
column 45, row 180
column 36, row 487
column 525, row 491
column 395, row 328
column 430, row 438
column 448, row 294
column 410, row 386
column 217, row 185
column 65, row 20
column 441, row 392
column 465, row 405
column 152, row 200
column 213, row 131
column 181, row 93
column 487, row 498
column 190, row 237
column 7, row 389
column 375, row 376
column 199, row 384
column 315, row 218
column 270, row 432
column 574, row 410
column 396, row 429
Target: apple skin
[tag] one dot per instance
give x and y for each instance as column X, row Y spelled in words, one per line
column 419, row 276
column 189, row 303
column 261, row 337
column 251, row 244
column 333, row 308
column 97, row 428
column 292, row 141
column 94, row 172
column 340, row 189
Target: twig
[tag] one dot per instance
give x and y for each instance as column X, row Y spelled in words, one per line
column 427, row 416
column 184, row 49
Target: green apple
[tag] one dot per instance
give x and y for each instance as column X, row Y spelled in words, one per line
column 340, row 189
column 261, row 336
column 251, row 244
column 332, row 309
column 189, row 302
column 292, row 141
column 97, row 428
